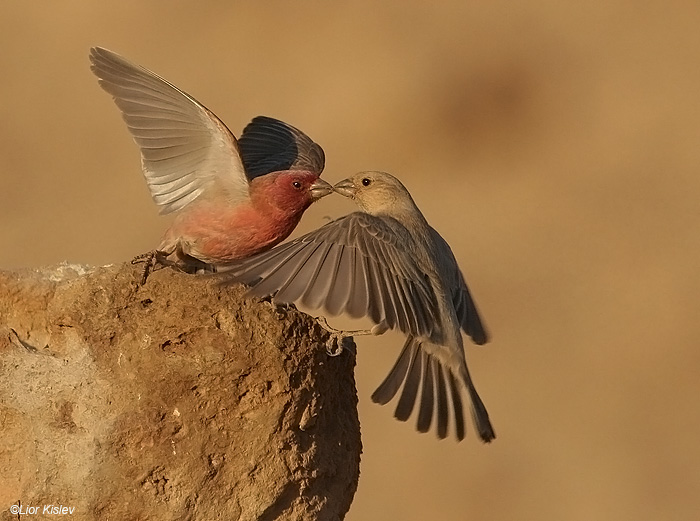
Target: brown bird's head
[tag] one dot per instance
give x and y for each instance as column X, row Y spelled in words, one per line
column 377, row 193
column 291, row 191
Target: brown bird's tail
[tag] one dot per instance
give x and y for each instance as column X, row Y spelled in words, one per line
column 416, row 368
column 479, row 413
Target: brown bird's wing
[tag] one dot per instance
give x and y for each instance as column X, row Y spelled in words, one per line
column 465, row 308
column 270, row 145
column 359, row 264
column 186, row 151
column 467, row 313
column 366, row 266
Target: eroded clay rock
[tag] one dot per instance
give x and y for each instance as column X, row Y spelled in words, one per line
column 177, row 400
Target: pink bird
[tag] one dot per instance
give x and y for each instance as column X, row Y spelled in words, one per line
column 233, row 198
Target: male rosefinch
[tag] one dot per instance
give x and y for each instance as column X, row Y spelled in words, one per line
column 233, row 199
column 389, row 264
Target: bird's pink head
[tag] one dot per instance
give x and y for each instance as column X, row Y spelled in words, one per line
column 290, row 192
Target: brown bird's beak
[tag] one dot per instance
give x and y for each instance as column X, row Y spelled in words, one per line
column 346, row 188
column 320, row 188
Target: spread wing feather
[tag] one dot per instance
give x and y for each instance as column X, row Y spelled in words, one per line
column 185, row 148
column 465, row 308
column 356, row 264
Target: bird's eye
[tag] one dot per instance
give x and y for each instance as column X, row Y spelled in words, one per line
column 366, row 181
column 296, row 184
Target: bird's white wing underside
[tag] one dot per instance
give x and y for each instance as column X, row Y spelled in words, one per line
column 186, row 151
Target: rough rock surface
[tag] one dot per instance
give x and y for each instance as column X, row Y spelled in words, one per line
column 177, row 400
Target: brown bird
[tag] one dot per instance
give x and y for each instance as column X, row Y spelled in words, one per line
column 387, row 263
column 232, row 198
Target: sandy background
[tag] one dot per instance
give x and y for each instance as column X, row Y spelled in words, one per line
column 554, row 145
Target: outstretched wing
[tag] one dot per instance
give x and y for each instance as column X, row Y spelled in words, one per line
column 365, row 265
column 467, row 313
column 186, row 150
column 270, row 145
column 465, row 308
column 359, row 264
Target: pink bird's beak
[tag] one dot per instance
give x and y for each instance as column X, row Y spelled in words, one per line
column 345, row 188
column 320, row 188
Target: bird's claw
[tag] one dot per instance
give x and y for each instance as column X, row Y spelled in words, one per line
column 340, row 340
column 279, row 306
column 338, row 343
column 150, row 261
column 154, row 260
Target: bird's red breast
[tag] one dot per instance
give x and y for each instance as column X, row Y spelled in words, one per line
column 218, row 233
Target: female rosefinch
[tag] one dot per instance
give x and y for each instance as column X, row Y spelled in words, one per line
column 389, row 264
column 233, row 199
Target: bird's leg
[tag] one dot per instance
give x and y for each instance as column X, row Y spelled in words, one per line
column 343, row 340
column 152, row 260
column 279, row 306
column 376, row 330
column 156, row 259
column 338, row 343
column 149, row 260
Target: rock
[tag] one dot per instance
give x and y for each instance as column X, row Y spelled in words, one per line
column 177, row 400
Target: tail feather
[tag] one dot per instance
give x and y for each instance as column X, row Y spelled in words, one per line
column 480, row 415
column 443, row 417
column 410, row 387
column 391, row 384
column 425, row 411
column 457, row 404
column 420, row 372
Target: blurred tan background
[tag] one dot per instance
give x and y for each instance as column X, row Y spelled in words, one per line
column 554, row 145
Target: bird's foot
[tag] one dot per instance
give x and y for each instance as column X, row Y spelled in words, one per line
column 153, row 260
column 337, row 343
column 343, row 340
column 278, row 306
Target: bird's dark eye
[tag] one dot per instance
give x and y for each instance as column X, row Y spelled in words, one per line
column 366, row 181
column 296, row 184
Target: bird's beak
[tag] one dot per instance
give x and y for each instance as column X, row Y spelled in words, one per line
column 320, row 188
column 346, row 188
